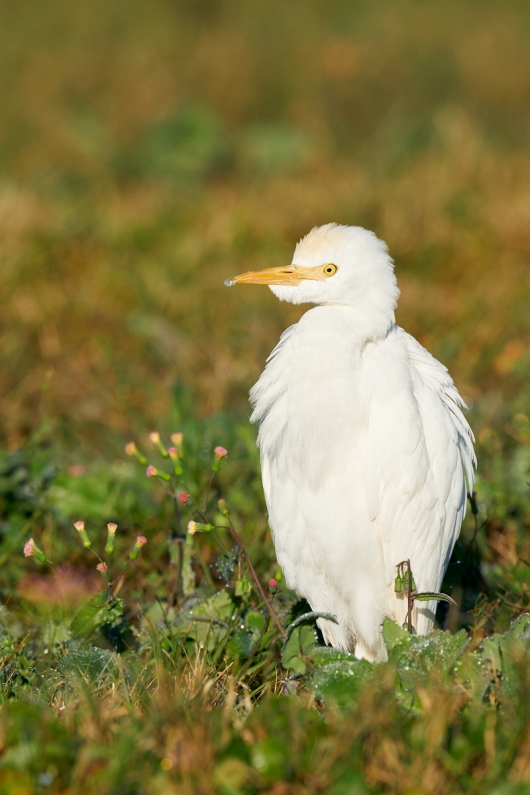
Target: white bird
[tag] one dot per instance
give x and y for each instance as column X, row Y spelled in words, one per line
column 365, row 452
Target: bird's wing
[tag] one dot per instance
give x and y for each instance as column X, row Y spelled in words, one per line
column 264, row 398
column 437, row 378
column 419, row 453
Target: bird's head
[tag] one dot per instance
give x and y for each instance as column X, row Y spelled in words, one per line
column 336, row 265
column 342, row 265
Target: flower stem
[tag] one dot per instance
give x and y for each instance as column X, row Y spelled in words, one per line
column 268, row 605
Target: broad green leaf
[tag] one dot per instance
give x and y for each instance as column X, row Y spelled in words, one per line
column 208, row 622
column 342, row 681
column 95, row 613
column 393, row 633
column 501, row 655
column 220, row 606
column 242, row 643
column 325, row 655
column 520, row 628
column 300, row 645
column 255, row 621
column 91, row 661
column 423, row 652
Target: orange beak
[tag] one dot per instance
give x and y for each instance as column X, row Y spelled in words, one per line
column 291, row 276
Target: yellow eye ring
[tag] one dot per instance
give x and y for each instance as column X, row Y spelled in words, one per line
column 329, row 269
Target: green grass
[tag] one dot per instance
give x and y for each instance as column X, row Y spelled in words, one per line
column 175, row 677
column 146, row 154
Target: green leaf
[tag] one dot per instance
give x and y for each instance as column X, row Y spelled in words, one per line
column 500, row 653
column 300, row 645
column 342, row 681
column 220, row 606
column 326, row 655
column 95, row 613
column 416, row 656
column 89, row 662
column 255, row 622
column 426, row 596
column 393, row 633
column 520, row 628
column 241, row 644
column 207, row 622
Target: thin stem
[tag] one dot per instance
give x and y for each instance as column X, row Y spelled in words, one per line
column 208, row 491
column 204, row 566
column 202, row 516
column 246, row 665
column 177, row 507
column 178, row 572
column 268, row 605
column 410, row 599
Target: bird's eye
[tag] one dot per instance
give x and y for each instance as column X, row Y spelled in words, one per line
column 329, row 269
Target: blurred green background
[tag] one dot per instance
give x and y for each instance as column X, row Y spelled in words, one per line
column 150, row 150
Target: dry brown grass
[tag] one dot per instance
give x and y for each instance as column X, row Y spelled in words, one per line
column 412, row 122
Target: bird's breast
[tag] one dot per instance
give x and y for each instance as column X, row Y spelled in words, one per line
column 310, row 400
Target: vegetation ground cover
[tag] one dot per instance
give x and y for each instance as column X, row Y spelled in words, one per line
column 146, row 154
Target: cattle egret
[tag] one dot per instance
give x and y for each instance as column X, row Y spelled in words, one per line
column 365, row 452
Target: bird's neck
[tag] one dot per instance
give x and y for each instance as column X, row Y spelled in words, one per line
column 357, row 325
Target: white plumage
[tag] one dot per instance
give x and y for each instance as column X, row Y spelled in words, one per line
column 365, row 452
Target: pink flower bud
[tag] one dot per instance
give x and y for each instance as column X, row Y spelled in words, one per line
column 132, row 450
column 151, row 471
column 183, row 497
column 220, row 452
column 273, row 583
column 29, row 548
column 102, row 567
column 174, row 454
column 177, row 438
column 80, row 527
column 135, row 551
column 154, row 437
column 109, row 546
